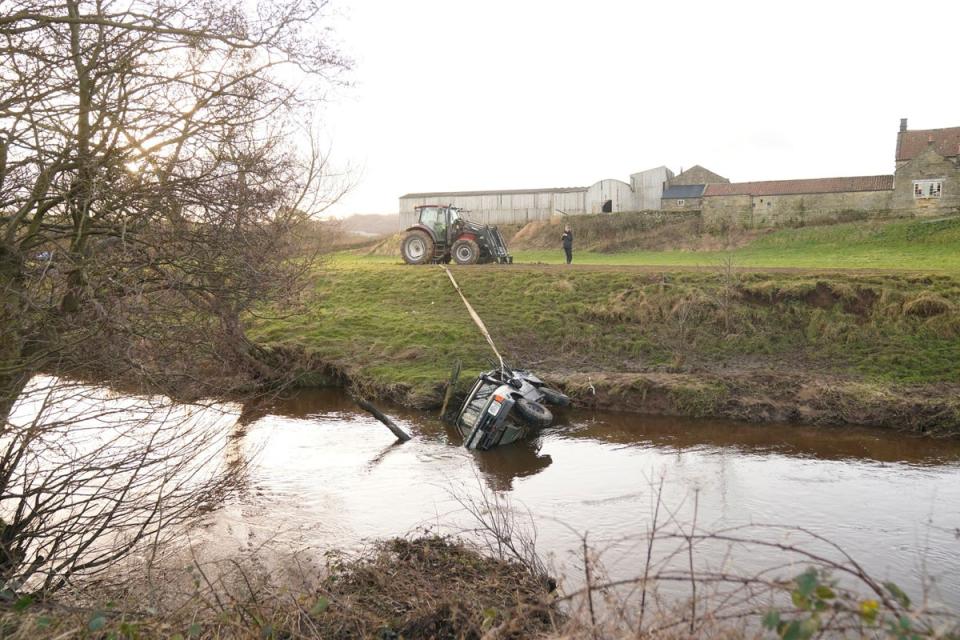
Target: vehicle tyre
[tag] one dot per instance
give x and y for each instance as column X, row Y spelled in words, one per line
column 554, row 397
column 465, row 251
column 416, row 248
column 533, row 413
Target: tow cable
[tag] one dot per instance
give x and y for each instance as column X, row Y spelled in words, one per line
column 476, row 320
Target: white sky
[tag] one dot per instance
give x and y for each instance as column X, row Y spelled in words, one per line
column 511, row 94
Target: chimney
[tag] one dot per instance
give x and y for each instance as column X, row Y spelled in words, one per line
column 903, row 124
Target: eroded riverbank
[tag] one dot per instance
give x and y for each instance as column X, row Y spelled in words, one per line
column 869, row 348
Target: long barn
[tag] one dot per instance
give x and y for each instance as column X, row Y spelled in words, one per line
column 506, row 206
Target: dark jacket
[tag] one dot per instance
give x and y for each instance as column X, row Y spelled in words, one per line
column 567, row 238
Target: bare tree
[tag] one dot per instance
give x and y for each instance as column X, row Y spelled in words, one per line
column 149, row 195
column 146, row 165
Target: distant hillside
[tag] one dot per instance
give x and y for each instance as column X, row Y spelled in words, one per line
column 371, row 224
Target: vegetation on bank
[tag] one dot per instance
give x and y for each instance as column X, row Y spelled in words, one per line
column 398, row 328
column 445, row 589
column 428, row 587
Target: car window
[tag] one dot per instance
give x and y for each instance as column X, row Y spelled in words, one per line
column 474, row 408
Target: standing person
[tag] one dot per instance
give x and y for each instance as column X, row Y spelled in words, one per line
column 567, row 238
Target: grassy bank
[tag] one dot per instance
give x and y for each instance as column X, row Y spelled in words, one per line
column 626, row 239
column 911, row 244
column 713, row 341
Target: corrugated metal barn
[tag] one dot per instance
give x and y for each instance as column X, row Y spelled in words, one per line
column 526, row 205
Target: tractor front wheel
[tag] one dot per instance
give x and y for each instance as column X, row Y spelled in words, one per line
column 465, row 251
column 416, row 248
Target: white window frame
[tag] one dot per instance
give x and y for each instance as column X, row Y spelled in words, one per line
column 680, row 203
column 926, row 189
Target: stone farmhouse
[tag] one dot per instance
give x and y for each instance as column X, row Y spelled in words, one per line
column 926, row 181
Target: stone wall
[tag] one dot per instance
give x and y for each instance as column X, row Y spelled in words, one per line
column 929, row 165
column 689, row 204
column 746, row 211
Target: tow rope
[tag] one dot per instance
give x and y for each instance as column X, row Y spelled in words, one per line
column 476, row 319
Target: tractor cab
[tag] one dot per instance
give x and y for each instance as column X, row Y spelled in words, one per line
column 441, row 221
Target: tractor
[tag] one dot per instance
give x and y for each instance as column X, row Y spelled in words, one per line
column 442, row 234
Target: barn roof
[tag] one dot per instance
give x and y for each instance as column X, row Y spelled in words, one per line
column 791, row 187
column 684, row 191
column 492, row 192
column 910, row 144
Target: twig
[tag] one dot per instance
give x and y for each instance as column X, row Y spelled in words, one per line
column 589, row 587
column 693, row 577
column 646, row 565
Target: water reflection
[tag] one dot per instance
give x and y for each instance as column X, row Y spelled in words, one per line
column 326, row 473
column 663, row 432
column 501, row 466
column 823, row 443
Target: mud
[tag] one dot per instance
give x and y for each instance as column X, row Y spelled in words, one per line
column 767, row 397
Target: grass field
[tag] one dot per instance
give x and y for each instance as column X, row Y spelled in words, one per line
column 925, row 245
column 872, row 306
column 906, row 245
column 399, row 327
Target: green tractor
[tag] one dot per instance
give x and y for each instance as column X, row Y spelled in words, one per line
column 442, row 234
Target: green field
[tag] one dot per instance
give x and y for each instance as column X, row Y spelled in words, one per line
column 907, row 246
column 925, row 245
column 398, row 328
column 868, row 305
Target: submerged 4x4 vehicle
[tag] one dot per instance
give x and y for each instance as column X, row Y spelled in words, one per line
column 503, row 406
column 442, row 234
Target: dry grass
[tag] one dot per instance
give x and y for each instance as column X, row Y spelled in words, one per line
column 427, row 587
column 927, row 305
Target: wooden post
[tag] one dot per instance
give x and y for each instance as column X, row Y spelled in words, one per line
column 402, row 435
column 451, row 383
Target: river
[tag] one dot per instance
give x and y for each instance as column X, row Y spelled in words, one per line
column 323, row 474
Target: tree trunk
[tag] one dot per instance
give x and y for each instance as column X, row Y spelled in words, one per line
column 13, row 372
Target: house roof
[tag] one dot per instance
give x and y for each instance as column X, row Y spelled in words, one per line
column 492, row 192
column 684, row 191
column 910, row 144
column 700, row 170
column 791, row 187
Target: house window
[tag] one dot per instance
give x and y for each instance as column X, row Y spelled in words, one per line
column 680, row 203
column 927, row 188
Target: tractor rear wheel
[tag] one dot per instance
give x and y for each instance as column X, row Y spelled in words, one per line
column 465, row 251
column 416, row 248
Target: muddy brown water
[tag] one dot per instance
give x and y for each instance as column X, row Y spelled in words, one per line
column 326, row 475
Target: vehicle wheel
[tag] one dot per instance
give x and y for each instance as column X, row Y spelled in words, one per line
column 416, row 248
column 465, row 251
column 554, row 397
column 533, row 413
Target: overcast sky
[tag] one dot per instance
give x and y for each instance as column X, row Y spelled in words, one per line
column 509, row 94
